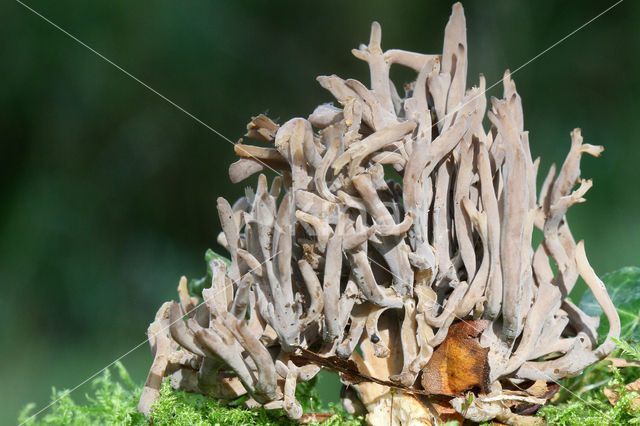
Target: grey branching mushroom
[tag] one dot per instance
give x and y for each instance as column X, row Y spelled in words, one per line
column 427, row 284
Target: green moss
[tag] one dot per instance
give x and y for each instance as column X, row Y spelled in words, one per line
column 588, row 406
column 582, row 400
column 593, row 409
column 114, row 401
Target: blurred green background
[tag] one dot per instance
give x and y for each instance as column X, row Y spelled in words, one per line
column 107, row 192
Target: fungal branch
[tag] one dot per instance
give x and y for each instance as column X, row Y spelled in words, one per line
column 428, row 277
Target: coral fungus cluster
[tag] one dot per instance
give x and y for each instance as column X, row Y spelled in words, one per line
column 396, row 248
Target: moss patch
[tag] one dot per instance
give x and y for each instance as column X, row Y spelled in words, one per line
column 113, row 401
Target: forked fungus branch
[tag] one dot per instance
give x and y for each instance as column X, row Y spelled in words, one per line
column 436, row 280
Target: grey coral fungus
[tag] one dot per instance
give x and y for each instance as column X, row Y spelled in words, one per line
column 436, row 280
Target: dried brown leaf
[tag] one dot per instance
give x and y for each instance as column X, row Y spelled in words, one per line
column 614, row 396
column 622, row 362
column 459, row 363
column 315, row 417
